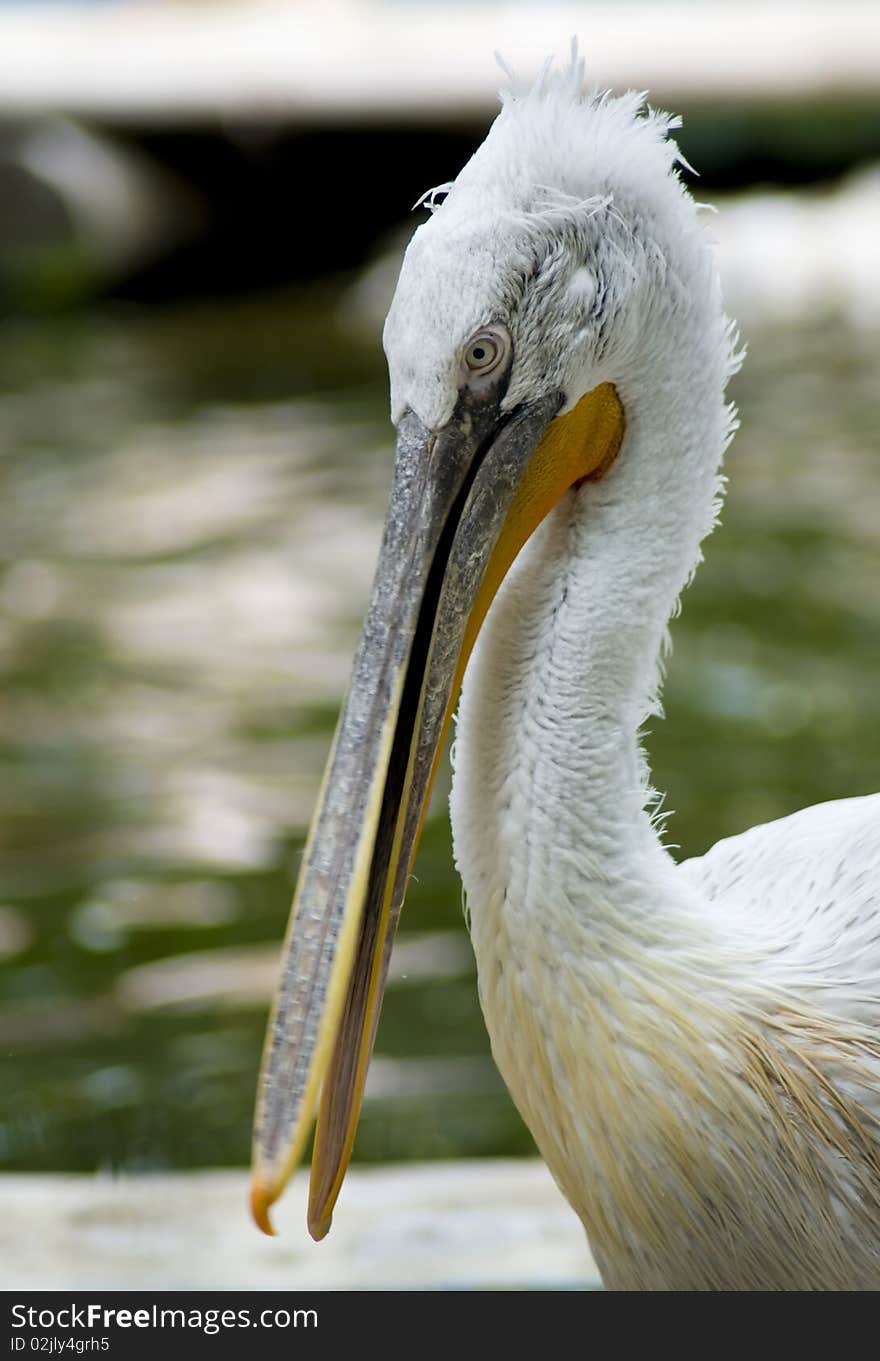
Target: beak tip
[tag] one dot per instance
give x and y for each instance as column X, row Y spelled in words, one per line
column 319, row 1227
column 261, row 1199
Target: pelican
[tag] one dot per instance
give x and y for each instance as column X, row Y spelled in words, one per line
column 694, row 1045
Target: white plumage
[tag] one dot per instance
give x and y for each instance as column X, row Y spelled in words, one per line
column 694, row 1047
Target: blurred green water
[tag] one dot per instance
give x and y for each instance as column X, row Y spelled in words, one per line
column 190, row 509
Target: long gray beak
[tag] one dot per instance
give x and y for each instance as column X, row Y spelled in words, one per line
column 442, row 557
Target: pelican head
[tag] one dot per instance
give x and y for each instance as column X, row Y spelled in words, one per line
column 519, row 303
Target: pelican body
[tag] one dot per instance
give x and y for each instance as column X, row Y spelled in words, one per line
column 694, row 1046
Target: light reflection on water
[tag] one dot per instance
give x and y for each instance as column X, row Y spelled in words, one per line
column 190, row 516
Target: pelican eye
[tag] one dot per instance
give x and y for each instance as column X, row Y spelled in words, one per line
column 485, row 352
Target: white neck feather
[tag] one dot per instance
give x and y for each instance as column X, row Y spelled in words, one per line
column 583, row 932
column 550, row 784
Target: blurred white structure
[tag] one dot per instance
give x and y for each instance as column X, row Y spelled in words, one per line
column 790, row 256
column 373, row 58
column 483, row 1224
column 123, row 208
